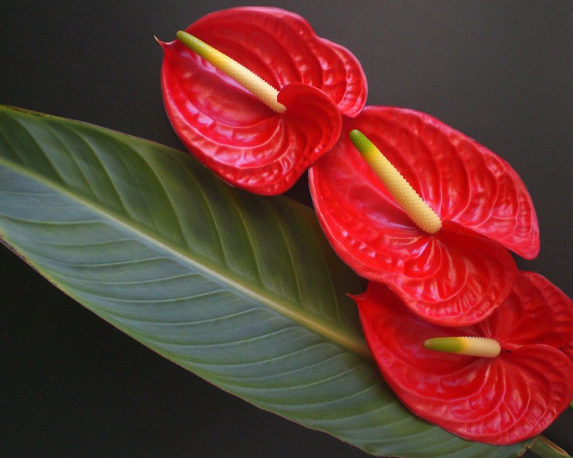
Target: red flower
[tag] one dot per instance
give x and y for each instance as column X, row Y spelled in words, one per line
column 456, row 276
column 234, row 133
column 499, row 400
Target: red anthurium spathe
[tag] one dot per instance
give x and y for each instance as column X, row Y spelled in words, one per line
column 228, row 128
column 499, row 400
column 457, row 275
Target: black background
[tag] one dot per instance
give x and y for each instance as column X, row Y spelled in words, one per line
column 71, row 385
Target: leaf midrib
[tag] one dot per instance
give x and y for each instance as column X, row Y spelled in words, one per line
column 274, row 302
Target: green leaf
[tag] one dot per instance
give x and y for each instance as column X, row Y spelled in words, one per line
column 243, row 291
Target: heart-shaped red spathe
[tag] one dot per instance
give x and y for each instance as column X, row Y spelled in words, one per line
column 456, row 276
column 228, row 128
column 500, row 400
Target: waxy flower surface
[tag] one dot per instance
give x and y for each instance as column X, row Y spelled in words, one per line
column 457, row 275
column 499, row 400
column 230, row 130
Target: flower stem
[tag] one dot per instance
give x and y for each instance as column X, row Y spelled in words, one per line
column 545, row 448
column 410, row 201
column 242, row 75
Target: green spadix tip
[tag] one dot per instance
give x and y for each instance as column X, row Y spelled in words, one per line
column 470, row 346
column 183, row 36
column 193, row 43
column 445, row 344
column 242, row 75
column 360, row 140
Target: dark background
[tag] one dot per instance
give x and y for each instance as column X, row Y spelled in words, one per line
column 71, row 385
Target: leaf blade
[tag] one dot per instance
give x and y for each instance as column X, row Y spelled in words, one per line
column 164, row 258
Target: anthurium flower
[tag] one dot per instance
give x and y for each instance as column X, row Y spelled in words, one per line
column 457, row 271
column 499, row 399
column 258, row 139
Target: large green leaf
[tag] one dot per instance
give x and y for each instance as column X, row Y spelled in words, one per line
column 241, row 290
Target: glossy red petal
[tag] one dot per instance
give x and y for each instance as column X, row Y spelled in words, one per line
column 454, row 277
column 230, row 130
column 549, row 317
column 500, row 400
column 467, row 278
column 281, row 47
column 461, row 180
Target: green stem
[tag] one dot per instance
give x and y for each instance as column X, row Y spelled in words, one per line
column 547, row 449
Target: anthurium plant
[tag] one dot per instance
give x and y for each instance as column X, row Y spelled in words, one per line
column 501, row 379
column 257, row 96
column 449, row 351
column 455, row 272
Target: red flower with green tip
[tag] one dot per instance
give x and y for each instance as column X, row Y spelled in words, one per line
column 521, row 382
column 430, row 212
column 257, row 96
